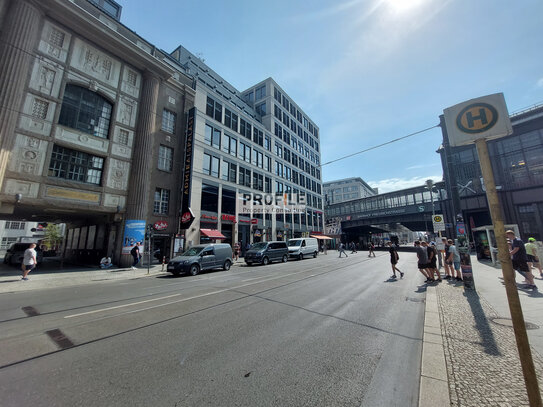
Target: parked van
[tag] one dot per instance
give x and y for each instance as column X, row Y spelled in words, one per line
column 267, row 252
column 15, row 254
column 303, row 247
column 200, row 258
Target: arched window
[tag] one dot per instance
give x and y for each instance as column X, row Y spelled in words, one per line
column 86, row 111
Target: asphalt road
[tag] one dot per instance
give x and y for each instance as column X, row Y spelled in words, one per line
column 317, row 332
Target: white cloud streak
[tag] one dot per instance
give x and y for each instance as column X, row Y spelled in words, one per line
column 396, row 184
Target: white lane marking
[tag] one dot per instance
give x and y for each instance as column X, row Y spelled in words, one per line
column 120, row 306
column 175, row 295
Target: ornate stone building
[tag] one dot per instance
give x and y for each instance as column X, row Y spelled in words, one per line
column 92, row 124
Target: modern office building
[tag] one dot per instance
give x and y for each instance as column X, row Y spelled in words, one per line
column 92, row 124
column 346, row 189
column 253, row 141
column 517, row 161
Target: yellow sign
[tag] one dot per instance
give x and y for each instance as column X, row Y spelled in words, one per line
column 477, row 118
column 438, row 219
column 71, row 194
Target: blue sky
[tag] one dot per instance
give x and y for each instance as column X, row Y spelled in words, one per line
column 365, row 71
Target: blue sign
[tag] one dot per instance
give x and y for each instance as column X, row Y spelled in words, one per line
column 134, row 231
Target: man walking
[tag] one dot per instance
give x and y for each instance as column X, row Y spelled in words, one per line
column 371, row 248
column 422, row 263
column 342, row 250
column 29, row 260
column 454, row 260
column 519, row 259
column 136, row 254
column 531, row 254
column 394, row 257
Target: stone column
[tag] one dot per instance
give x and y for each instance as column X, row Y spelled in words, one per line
column 17, row 43
column 140, row 189
column 139, row 192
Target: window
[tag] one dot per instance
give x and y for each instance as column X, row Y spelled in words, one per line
column 278, row 169
column 267, row 143
column 244, row 152
column 258, row 136
column 228, row 171
column 229, row 145
column 210, row 198
column 162, row 199
column 228, row 202
column 7, row 242
column 258, row 181
column 231, row 120
column 278, row 131
column 214, row 109
column 260, row 92
column 75, row 165
column 123, row 137
column 211, row 165
column 286, row 154
column 267, row 163
column 15, row 225
column 212, row 136
column 276, row 94
column 56, row 38
column 278, row 150
column 165, row 158
column 244, row 177
column 278, row 187
column 261, row 109
column 168, row 121
column 277, row 112
column 245, row 129
column 267, row 185
column 86, row 111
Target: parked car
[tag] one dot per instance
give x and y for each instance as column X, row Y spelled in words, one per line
column 202, row 257
column 14, row 255
column 302, row 247
column 267, row 252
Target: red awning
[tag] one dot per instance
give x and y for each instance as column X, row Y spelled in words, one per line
column 212, row 233
column 321, row 237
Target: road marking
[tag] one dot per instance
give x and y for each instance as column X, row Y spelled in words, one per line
column 61, row 340
column 30, row 311
column 120, row 306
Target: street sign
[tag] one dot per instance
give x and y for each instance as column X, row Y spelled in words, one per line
column 438, row 222
column 481, row 118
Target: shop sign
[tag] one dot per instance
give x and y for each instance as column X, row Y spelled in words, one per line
column 230, row 218
column 204, row 216
column 187, row 217
column 160, row 225
column 244, row 221
column 254, row 221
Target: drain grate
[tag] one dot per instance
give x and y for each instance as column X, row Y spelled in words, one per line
column 30, row 311
column 61, row 340
column 415, row 299
column 509, row 322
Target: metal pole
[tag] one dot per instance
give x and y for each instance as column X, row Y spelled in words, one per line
column 523, row 345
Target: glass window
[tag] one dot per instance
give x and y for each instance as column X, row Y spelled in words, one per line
column 86, row 111
column 228, row 202
column 168, row 121
column 162, row 199
column 165, row 158
column 75, row 165
column 210, row 198
column 214, row 109
column 211, row 165
column 260, row 92
column 261, row 109
column 212, row 136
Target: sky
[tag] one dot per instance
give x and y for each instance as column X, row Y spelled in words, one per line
column 365, row 71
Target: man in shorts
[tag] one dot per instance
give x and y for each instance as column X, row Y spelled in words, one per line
column 394, row 260
column 29, row 260
column 519, row 259
column 422, row 263
column 432, row 260
column 454, row 260
column 531, row 254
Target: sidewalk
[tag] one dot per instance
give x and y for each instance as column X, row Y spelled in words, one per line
column 468, row 334
column 10, row 278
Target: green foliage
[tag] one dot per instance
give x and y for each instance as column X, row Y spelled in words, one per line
column 53, row 236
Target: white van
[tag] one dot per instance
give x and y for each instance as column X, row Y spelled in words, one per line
column 303, row 247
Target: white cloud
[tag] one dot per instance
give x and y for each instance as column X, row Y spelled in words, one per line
column 396, row 184
column 419, row 166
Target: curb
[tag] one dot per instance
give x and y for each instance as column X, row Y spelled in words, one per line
column 434, row 383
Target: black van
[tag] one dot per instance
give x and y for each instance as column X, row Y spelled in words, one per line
column 266, row 252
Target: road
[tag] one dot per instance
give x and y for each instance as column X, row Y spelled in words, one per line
column 317, row 332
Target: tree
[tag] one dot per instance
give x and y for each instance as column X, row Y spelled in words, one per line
column 53, row 236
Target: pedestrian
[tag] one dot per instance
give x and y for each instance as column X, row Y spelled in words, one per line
column 422, row 261
column 236, row 251
column 29, row 260
column 531, row 254
column 519, row 258
column 454, row 260
column 394, row 257
column 325, row 246
column 446, row 265
column 353, row 248
column 432, row 260
column 136, row 254
column 105, row 263
column 371, row 248
column 342, row 250
column 440, row 248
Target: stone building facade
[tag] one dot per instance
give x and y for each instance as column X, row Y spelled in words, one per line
column 92, row 125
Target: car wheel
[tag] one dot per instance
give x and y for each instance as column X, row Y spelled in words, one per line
column 285, row 258
column 315, row 254
column 265, row 261
column 194, row 269
column 226, row 265
column 301, row 256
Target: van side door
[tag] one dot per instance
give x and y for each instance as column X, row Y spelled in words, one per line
column 208, row 258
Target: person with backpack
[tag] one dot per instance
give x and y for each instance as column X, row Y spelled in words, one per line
column 394, row 257
column 136, row 254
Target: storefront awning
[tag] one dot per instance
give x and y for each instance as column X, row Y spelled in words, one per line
column 321, row 237
column 212, row 233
